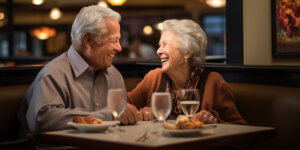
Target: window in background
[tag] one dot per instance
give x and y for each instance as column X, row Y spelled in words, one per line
column 20, row 44
column 214, row 27
column 37, row 47
column 3, row 45
column 136, row 15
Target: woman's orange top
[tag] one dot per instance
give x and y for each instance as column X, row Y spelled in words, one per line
column 217, row 99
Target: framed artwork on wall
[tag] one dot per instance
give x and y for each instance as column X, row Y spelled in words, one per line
column 285, row 28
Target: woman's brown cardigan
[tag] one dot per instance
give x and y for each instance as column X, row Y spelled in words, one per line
column 217, row 98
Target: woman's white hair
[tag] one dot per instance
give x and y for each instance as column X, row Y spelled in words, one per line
column 190, row 38
column 91, row 19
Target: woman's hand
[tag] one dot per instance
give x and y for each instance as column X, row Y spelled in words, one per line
column 147, row 114
column 205, row 116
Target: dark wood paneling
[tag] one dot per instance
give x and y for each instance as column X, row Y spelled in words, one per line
column 25, row 60
column 275, row 75
column 18, row 75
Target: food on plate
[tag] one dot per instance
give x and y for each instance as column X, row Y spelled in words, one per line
column 87, row 120
column 183, row 122
column 193, row 124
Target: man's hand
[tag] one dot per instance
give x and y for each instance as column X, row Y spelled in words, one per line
column 147, row 114
column 130, row 115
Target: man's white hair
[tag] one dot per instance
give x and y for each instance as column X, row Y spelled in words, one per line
column 91, row 19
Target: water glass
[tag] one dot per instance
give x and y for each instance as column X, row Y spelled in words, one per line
column 116, row 102
column 161, row 105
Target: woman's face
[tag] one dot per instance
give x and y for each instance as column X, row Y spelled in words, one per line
column 171, row 57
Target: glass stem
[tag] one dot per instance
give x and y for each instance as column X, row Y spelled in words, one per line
column 117, row 127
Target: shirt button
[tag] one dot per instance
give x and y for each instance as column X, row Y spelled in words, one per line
column 97, row 104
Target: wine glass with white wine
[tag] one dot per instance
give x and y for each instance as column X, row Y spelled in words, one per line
column 189, row 101
column 116, row 102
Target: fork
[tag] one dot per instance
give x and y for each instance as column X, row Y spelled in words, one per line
column 144, row 136
column 148, row 135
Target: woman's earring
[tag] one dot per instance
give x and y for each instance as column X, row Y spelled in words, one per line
column 185, row 59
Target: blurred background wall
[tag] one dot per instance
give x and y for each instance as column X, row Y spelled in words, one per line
column 27, row 29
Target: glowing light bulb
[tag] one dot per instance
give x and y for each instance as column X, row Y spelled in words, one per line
column 102, row 3
column 216, row 3
column 116, row 2
column 2, row 16
column 147, row 30
column 55, row 13
column 158, row 26
column 43, row 33
column 37, row 2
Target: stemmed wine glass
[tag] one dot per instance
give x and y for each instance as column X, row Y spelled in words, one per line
column 189, row 101
column 116, row 101
column 161, row 105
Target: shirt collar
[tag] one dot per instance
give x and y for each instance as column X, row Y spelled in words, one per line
column 78, row 64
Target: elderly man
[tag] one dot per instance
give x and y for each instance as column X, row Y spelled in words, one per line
column 77, row 81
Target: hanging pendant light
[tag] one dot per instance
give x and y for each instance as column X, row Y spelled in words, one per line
column 2, row 15
column 55, row 13
column 215, row 3
column 158, row 26
column 147, row 30
column 43, row 33
column 37, row 2
column 116, row 2
column 102, row 3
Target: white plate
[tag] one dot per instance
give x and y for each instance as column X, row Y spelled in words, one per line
column 92, row 127
column 187, row 132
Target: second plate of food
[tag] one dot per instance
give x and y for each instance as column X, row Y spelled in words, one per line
column 92, row 127
column 187, row 132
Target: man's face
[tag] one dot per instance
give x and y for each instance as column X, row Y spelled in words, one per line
column 100, row 56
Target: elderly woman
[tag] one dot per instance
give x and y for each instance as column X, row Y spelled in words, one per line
column 182, row 52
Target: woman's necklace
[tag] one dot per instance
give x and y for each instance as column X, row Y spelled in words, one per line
column 190, row 83
column 175, row 94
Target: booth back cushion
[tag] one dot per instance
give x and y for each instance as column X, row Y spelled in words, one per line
column 10, row 100
column 132, row 82
column 270, row 105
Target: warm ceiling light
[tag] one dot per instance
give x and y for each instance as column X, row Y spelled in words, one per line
column 147, row 30
column 37, row 2
column 116, row 2
column 55, row 13
column 43, row 33
column 158, row 26
column 215, row 3
column 102, row 3
column 2, row 16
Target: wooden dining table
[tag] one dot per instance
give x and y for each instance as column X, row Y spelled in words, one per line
column 223, row 135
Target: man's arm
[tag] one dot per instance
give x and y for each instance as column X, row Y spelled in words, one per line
column 47, row 107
